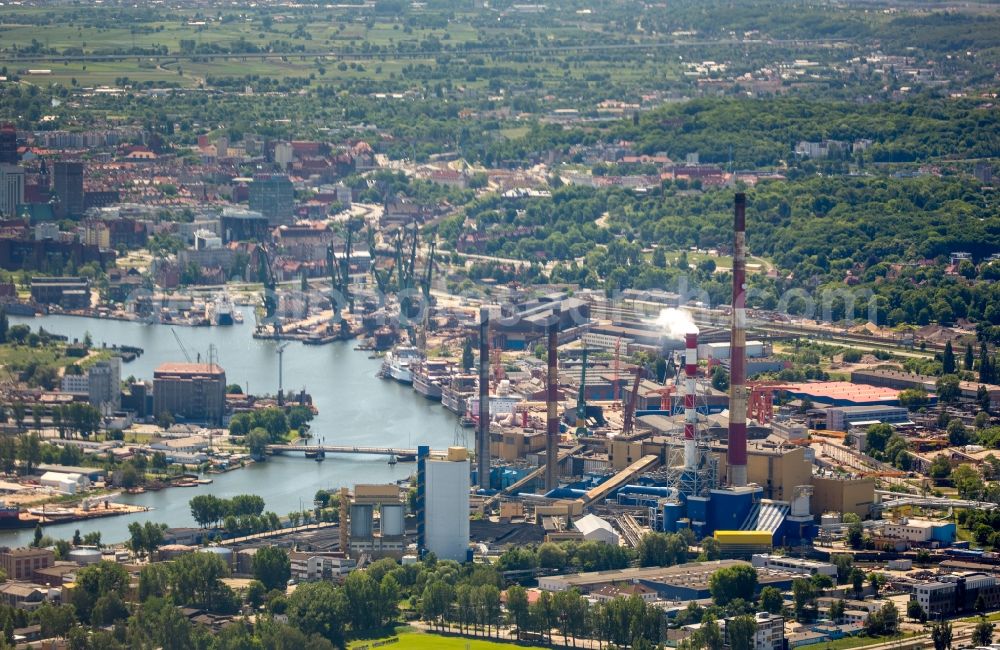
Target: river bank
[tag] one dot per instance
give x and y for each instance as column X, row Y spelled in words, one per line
column 355, row 408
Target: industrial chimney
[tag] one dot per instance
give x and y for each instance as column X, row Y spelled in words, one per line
column 690, row 410
column 483, row 432
column 737, row 453
column 552, row 401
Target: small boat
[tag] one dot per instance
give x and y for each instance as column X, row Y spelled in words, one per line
column 186, row 484
column 312, row 454
column 204, row 481
column 320, row 456
column 392, row 459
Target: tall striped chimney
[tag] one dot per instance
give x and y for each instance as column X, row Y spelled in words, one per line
column 736, row 456
column 690, row 410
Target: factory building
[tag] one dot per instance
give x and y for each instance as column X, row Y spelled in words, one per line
column 842, row 418
column 921, row 531
column 443, row 504
column 794, row 565
column 192, row 391
column 833, row 494
column 842, row 393
column 388, row 540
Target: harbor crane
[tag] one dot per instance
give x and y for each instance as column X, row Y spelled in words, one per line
column 180, row 344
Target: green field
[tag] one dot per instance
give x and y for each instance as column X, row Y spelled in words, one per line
column 410, row 638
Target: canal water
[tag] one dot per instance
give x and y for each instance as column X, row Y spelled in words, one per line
column 355, row 408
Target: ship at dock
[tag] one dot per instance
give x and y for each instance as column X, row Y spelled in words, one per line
column 221, row 311
column 430, row 376
column 456, row 392
column 399, row 363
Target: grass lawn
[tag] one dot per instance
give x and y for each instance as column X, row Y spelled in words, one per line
column 412, row 638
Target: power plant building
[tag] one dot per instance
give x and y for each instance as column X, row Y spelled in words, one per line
column 443, row 504
column 191, row 391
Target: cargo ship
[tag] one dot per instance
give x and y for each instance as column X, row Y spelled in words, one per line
column 10, row 517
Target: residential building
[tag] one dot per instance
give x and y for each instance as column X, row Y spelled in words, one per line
column 192, row 391
column 768, row 635
column 104, row 384
column 310, row 566
column 21, row 563
column 11, row 189
column 443, row 504
column 67, row 181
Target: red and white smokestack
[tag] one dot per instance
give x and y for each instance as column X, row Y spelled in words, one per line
column 737, row 454
column 690, row 410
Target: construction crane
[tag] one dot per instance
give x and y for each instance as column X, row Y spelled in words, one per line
column 760, row 406
column 629, row 421
column 266, row 275
column 180, row 345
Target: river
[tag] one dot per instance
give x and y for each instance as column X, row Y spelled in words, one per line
column 355, row 408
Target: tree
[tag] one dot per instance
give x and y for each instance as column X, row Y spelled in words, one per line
column 914, row 610
column 982, row 634
column 4, row 325
column 709, row 636
column 941, row 635
column 940, row 467
column 29, row 451
column 165, row 419
column 803, row 596
column 551, row 556
column 272, row 567
column 877, row 437
column 96, row 581
column 969, row 360
column 257, row 441
column 948, row 388
column 196, row 581
column 983, row 399
column 144, row 539
column 158, row 625
column 985, row 365
column 855, row 535
column 720, row 379
column 731, row 583
column 771, row 600
column 948, row 359
column 913, row 398
column 711, row 549
column 467, row 355
column 741, row 630
column 517, row 606
column 837, row 609
column 858, row 581
column 968, row 482
column 843, row 562
column 958, row 435
column 56, row 620
column 435, row 601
